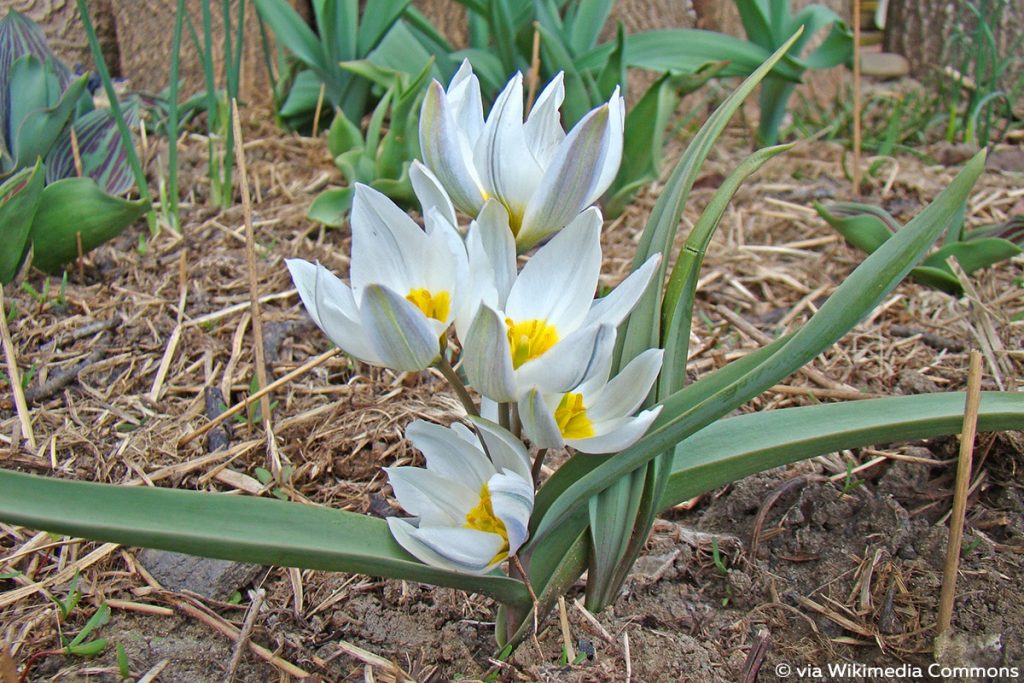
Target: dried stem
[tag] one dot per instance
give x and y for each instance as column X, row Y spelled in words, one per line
column 963, row 480
column 14, row 377
column 254, row 295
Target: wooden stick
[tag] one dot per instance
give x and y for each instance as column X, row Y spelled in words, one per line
column 172, row 343
column 258, row 596
column 963, row 479
column 856, row 98
column 14, row 377
column 319, row 107
column 254, row 294
column 533, row 79
column 247, row 401
column 563, row 618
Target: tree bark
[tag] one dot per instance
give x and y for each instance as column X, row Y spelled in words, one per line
column 924, row 32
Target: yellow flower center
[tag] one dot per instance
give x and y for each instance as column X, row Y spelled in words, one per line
column 529, row 339
column 482, row 518
column 436, row 306
column 571, row 416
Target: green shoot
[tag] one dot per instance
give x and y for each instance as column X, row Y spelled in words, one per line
column 82, row 647
column 123, row 666
column 850, row 482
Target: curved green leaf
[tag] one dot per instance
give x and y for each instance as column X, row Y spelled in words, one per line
column 293, row 32
column 39, row 111
column 241, row 528
column 19, row 200
column 100, row 149
column 737, row 447
column 331, row 206
column 973, row 254
column 77, row 206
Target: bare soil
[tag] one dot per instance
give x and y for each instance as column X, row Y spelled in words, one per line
column 838, row 559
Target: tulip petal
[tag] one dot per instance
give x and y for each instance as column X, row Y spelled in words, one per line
column 499, row 246
column 430, row 192
column 613, row 155
column 443, row 265
column 487, row 357
column 332, row 307
column 402, row 336
column 463, row 550
column 627, row 390
column 570, row 180
column 568, row 363
column 538, row 422
column 613, row 308
column 447, row 152
column 512, row 502
column 617, row 435
column 386, row 243
column 544, row 124
column 464, row 97
column 450, row 458
column 558, row 283
column 505, row 450
column 436, row 500
column 506, row 171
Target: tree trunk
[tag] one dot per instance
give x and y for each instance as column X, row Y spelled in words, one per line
column 925, row 32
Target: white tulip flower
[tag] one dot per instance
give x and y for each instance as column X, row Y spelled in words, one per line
column 405, row 289
column 597, row 417
column 472, row 505
column 542, row 176
column 544, row 328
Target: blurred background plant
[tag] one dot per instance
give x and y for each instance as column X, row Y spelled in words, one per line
column 975, row 88
column 349, row 62
column 377, row 158
column 65, row 165
column 768, row 24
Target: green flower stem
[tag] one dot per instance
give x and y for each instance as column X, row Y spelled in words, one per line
column 445, row 366
column 538, row 462
column 505, row 415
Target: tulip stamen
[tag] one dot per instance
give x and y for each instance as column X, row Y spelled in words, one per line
column 482, row 518
column 571, row 417
column 436, row 306
column 529, row 339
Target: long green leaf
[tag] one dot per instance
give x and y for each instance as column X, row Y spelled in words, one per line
column 740, row 446
column 681, row 292
column 642, row 331
column 685, row 50
column 616, row 542
column 242, row 528
column 292, row 32
column 587, row 22
column 377, row 23
column 858, row 294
